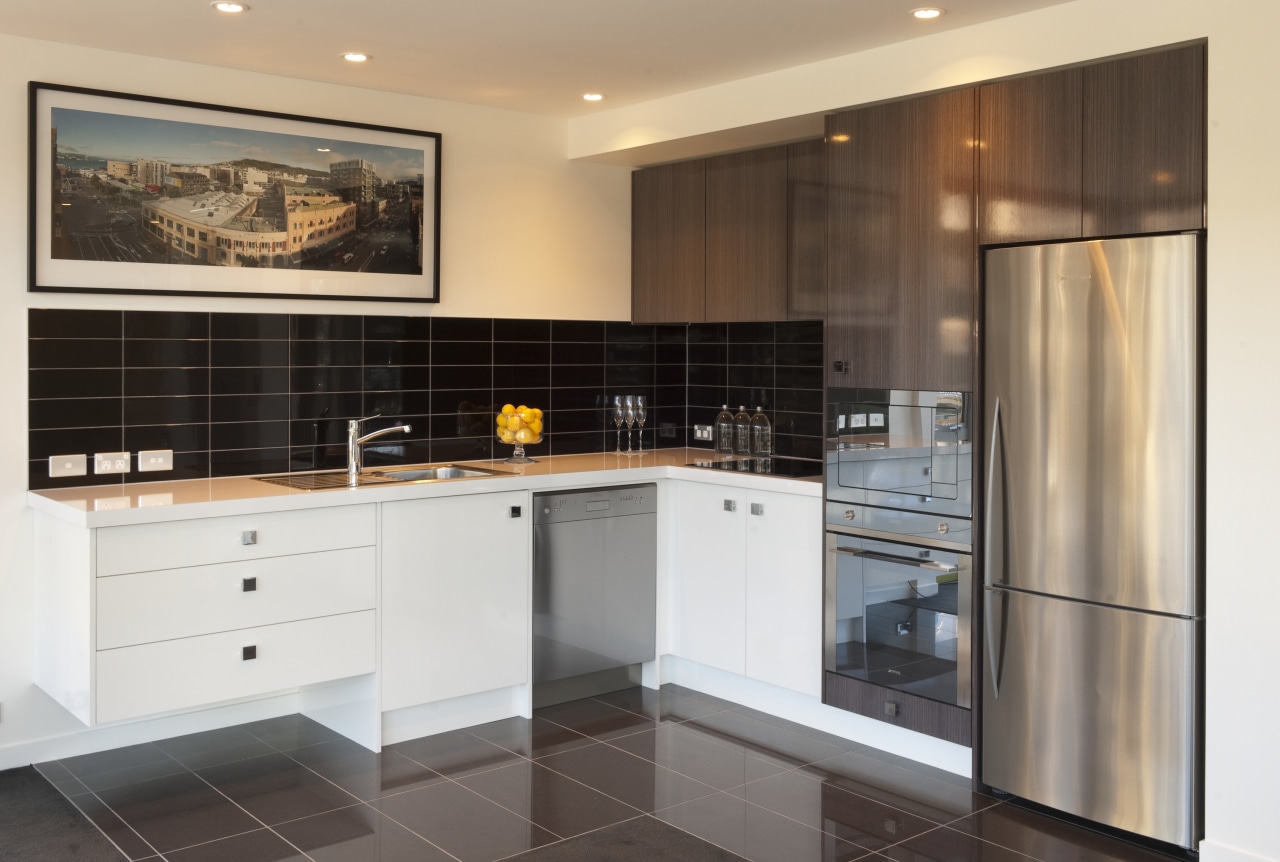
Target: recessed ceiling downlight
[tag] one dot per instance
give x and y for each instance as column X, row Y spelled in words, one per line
column 355, row 57
column 229, row 7
column 926, row 13
column 593, row 97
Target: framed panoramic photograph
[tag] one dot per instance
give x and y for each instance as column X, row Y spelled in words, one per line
column 135, row 194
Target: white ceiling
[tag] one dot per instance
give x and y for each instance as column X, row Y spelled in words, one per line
column 537, row 57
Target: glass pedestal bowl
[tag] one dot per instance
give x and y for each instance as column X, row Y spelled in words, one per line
column 519, row 426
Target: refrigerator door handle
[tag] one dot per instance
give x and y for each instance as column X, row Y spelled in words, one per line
column 995, row 654
column 989, row 492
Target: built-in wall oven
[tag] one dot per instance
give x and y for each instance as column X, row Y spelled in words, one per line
column 898, row 561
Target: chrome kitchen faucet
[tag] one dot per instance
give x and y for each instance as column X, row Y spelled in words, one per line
column 355, row 454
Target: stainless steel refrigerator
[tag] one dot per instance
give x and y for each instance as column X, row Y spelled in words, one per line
column 1093, row 597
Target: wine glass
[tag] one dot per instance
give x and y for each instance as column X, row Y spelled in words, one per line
column 617, row 420
column 629, row 414
column 641, row 414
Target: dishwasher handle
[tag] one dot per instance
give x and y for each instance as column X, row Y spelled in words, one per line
column 931, row 565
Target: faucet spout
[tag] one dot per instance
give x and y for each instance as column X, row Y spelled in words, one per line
column 355, row 454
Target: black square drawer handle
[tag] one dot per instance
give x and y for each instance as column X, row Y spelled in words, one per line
column 249, row 585
column 248, row 653
column 515, row 511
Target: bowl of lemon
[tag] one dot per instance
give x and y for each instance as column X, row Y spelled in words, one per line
column 519, row 426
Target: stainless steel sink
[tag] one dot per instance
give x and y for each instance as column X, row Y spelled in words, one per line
column 338, row 479
column 443, row 471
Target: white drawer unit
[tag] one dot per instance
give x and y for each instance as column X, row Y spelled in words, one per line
column 177, row 603
column 178, row 674
column 205, row 541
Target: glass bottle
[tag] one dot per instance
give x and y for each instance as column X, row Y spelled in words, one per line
column 724, row 431
column 742, row 431
column 761, row 434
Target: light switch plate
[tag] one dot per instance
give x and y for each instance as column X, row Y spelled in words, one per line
column 877, row 420
column 68, row 465
column 111, row 462
column 155, row 459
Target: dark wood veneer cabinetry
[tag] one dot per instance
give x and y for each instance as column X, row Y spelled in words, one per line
column 668, row 255
column 746, row 236
column 807, row 230
column 900, row 276
column 940, row 720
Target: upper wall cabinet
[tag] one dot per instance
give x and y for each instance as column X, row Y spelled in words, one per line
column 747, row 236
column 668, row 254
column 1144, row 143
column 900, row 227
column 807, row 230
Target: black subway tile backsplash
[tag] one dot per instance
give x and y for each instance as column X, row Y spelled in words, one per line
column 247, row 393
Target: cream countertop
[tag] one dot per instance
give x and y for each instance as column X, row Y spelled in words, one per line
column 151, row 502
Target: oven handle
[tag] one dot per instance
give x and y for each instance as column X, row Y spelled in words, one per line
column 931, row 565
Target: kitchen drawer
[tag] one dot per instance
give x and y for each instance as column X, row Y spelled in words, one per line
column 199, row 600
column 179, row 674
column 206, row 541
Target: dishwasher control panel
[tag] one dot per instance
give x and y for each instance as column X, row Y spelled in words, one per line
column 581, row 505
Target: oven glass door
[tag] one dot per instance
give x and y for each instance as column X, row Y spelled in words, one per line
column 898, row 616
column 907, row 450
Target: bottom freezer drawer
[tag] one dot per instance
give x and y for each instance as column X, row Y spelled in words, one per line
column 1091, row 710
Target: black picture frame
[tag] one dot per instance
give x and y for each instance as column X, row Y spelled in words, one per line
column 113, row 207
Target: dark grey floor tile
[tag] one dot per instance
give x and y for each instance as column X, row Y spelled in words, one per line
column 556, row 803
column 824, row 806
column 667, row 704
column 116, row 830
column 596, row 719
column 695, row 754
column 177, row 811
column 535, row 737
column 641, row 839
column 938, row 801
column 947, row 845
column 757, row 834
column 766, row 740
column 455, row 753
column 288, row 732
column 212, row 747
column 358, row 834
column 275, row 788
column 260, row 846
column 121, row 766
column 462, row 823
column 61, row 778
column 363, row 773
column 640, row 783
column 1049, row 839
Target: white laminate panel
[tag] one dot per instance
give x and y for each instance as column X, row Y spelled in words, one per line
column 708, row 588
column 159, row 677
column 784, row 591
column 197, row 600
column 205, row 541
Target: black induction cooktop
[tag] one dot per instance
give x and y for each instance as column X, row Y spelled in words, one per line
column 793, row 468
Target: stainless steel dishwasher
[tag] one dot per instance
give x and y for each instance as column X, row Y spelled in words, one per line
column 594, row 590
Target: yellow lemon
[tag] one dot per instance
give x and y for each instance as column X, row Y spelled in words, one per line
column 528, row 416
column 524, row 435
column 521, row 409
column 507, row 436
column 514, row 423
column 502, row 419
column 536, row 426
column 537, row 414
column 508, row 409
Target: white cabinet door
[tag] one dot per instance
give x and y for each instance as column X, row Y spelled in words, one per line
column 708, row 593
column 784, row 591
column 455, row 597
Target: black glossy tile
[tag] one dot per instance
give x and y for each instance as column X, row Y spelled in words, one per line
column 708, row 354
column 710, row 376
column 362, row 773
column 708, row 333
column 464, row 824
column 522, row 353
column 397, row 328
column 118, row 832
column 798, row 376
column 578, row 376
column 534, row 737
column 159, row 353
column 699, row 756
column 823, row 806
column 408, row 452
column 461, row 377
column 167, row 410
column 708, row 396
column 938, row 801
column 358, row 834
column 582, row 443
column 248, row 325
column 326, row 327
column 461, row 329
column 74, row 413
column 804, row 424
column 248, row 381
column 751, row 354
column 617, row 332
column 248, row 354
column 397, row 353
column 799, row 401
column 78, row 383
column 1042, row 837
column 42, row 444
column 166, row 381
column 275, row 788
column 213, row 747
column 575, row 420
column 750, row 397
column 166, row 324
column 461, row 352
column 751, row 376
column 798, row 447
column 326, row 354
column 577, row 330
column 248, row 435
column 248, row 408
column 548, row 799
column 179, row 438
column 594, row 718
column 74, row 323
column 530, row 396
column 628, row 353
column 757, row 834
column 577, row 398
column 640, row 783
column 118, row 766
column 399, row 403
column 521, row 330
column 577, row 353
column 946, row 845
column 667, row 704
column 287, row 732
column 248, row 462
column 394, row 378
column 75, row 353
column 455, row 753
column 464, row 449
column 260, row 846
column 463, row 401
column 799, row 354
column 521, row 376
column 628, row 376
column 798, row 332
column 177, row 811
column 326, row 379
column 671, row 354
column 749, row 333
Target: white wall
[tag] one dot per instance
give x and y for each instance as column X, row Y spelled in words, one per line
column 1243, row 575
column 524, row 233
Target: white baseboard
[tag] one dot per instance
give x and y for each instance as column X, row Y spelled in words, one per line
column 426, row 719
column 1212, row 851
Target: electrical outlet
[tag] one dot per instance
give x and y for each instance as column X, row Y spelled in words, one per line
column 877, row 420
column 68, row 465
column 155, row 459
column 111, row 462
column 667, row 429
column 701, row 432
column 858, row 420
